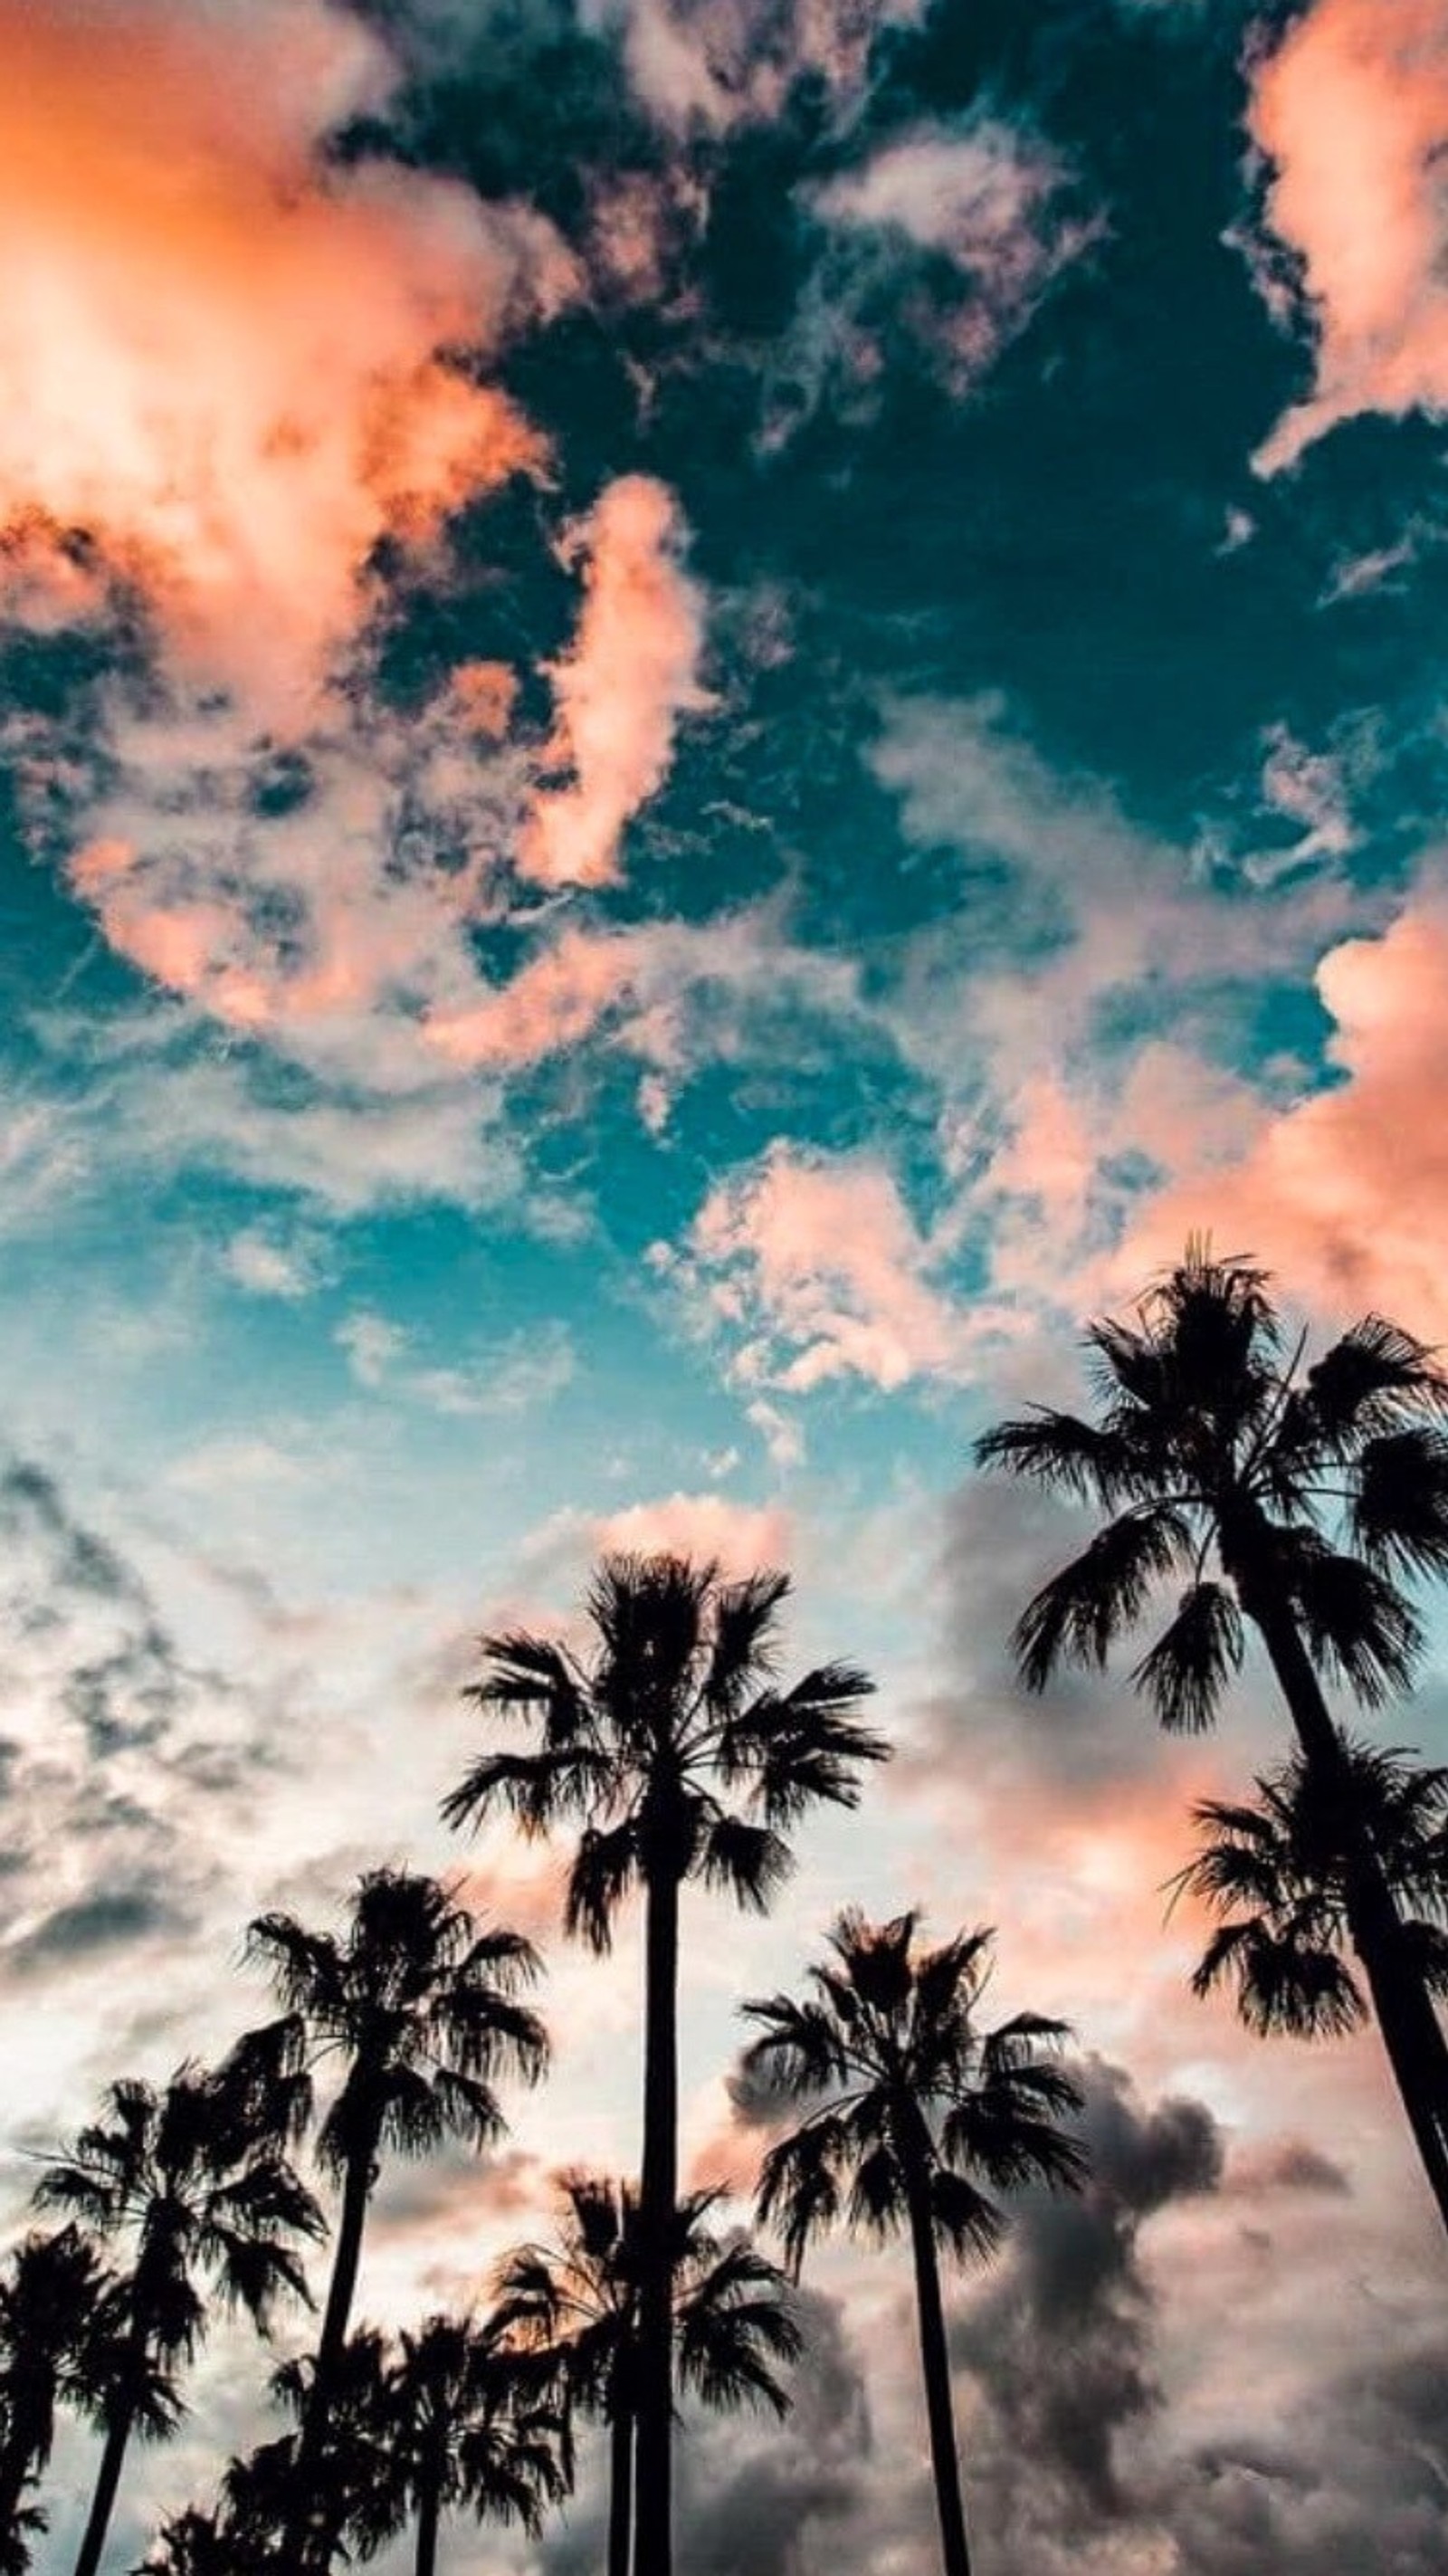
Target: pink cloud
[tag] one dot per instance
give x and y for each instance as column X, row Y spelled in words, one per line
column 555, row 1001
column 1346, row 1192
column 631, row 673
column 229, row 352
column 819, row 1267
column 1351, row 109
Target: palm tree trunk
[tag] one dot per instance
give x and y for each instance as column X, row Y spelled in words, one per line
column 429, row 2514
column 620, row 2490
column 93, row 2538
column 935, row 2367
column 1411, row 2033
column 310, row 2544
column 658, row 2192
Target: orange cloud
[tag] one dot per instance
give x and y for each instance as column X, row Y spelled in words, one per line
column 555, row 1001
column 821, row 1264
column 225, row 355
column 1346, row 1192
column 632, row 672
column 1352, row 111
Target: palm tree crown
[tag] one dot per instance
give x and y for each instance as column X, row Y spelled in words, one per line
column 657, row 1744
column 912, row 2098
column 418, row 2006
column 579, row 2306
column 57, row 2304
column 1275, row 1872
column 470, row 2424
column 578, row 2302
column 1228, row 1465
column 196, row 2188
column 918, row 2116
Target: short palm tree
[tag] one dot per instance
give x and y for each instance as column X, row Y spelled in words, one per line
column 576, row 2303
column 420, row 2008
column 193, row 2543
column 918, row 2115
column 470, row 2424
column 196, row 2194
column 54, row 2301
column 1293, row 1500
column 1274, row 1872
column 681, row 1758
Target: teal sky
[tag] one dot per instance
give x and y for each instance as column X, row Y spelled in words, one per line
column 707, row 713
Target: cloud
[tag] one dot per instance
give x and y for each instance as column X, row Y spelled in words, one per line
column 518, row 1375
column 1062, row 2345
column 738, row 1537
column 1351, row 112
column 819, row 1272
column 1345, row 1191
column 256, row 1262
column 718, row 64
column 231, row 352
column 631, row 673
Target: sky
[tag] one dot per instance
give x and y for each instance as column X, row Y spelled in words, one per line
column 709, row 710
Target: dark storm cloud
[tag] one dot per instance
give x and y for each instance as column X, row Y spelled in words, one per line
column 1062, row 2346
column 760, row 2500
column 111, row 1919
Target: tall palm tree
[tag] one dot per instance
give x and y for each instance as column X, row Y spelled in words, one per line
column 469, row 2423
column 918, row 2115
column 681, row 1758
column 577, row 2303
column 55, row 2299
column 1274, row 1871
column 197, row 2194
column 1295, row 1500
column 420, row 2008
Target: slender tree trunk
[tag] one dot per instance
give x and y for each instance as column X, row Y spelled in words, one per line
column 935, row 2368
column 25, row 2440
column 1411, row 2033
column 311, row 2544
column 620, row 2489
column 429, row 2514
column 93, row 2538
column 658, row 2192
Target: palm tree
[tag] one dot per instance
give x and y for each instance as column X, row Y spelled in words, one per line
column 1274, row 1872
column 185, row 2180
column 1314, row 1493
column 577, row 2304
column 420, row 2008
column 680, row 1757
column 193, row 2544
column 915, row 2108
column 53, row 2304
column 469, row 2423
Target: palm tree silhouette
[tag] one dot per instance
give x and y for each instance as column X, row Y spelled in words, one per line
column 915, row 2108
column 420, row 2008
column 193, row 2543
column 1275, row 1872
column 577, row 2304
column 1316, row 1492
column 675, row 1751
column 185, row 2180
column 469, row 2424
column 54, row 2303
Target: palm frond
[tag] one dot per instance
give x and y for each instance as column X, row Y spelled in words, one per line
column 1185, row 1672
column 1091, row 1461
column 1078, row 1616
column 751, row 1862
column 538, row 1790
column 605, row 1867
column 1357, row 1624
column 1370, row 1382
column 1398, row 1514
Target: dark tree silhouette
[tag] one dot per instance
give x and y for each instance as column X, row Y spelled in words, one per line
column 918, row 2116
column 469, row 2425
column 1274, row 1870
column 1315, row 1493
column 195, row 2193
column 421, row 2010
column 577, row 2302
column 55, row 2300
column 680, row 1757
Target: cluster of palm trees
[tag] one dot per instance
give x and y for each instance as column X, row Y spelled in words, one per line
column 1295, row 1501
